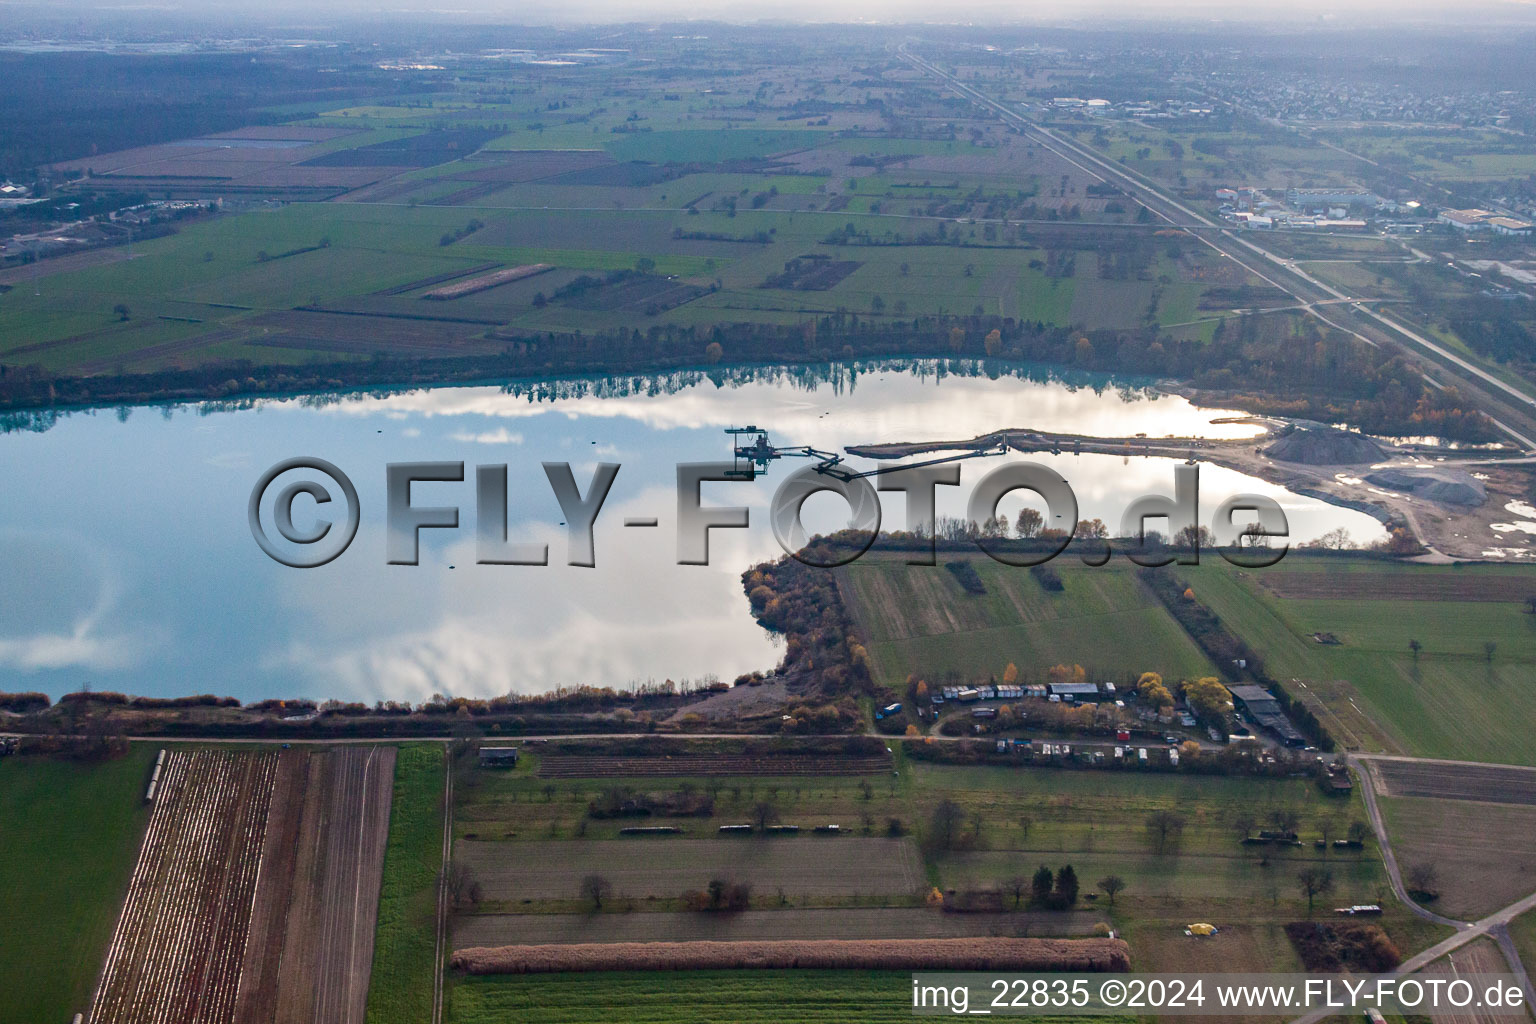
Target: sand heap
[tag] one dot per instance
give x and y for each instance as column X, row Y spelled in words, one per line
column 1446, row 486
column 1325, row 446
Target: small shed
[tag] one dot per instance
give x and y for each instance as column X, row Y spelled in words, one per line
column 498, row 757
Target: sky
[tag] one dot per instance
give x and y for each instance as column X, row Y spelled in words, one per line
column 1084, row 13
column 980, row 11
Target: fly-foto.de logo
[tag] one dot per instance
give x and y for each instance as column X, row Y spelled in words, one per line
column 305, row 512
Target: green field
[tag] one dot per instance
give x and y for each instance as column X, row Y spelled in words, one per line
column 1095, row 820
column 401, row 986
column 516, row 806
column 1453, row 699
column 919, row 620
column 1449, row 701
column 69, row 833
column 942, row 227
column 693, row 997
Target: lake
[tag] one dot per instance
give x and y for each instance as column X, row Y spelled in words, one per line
column 129, row 565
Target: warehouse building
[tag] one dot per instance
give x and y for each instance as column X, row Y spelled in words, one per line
column 1264, row 710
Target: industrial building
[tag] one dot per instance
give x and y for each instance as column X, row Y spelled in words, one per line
column 1509, row 226
column 1484, row 220
column 1465, row 220
column 1310, row 198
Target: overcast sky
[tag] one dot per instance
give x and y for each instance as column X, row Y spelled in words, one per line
column 1107, row 14
column 961, row 10
column 831, row 10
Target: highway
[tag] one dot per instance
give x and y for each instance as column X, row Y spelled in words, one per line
column 1511, row 409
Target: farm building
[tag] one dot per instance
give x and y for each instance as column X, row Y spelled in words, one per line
column 1261, row 706
column 1074, row 691
column 498, row 757
column 1338, row 782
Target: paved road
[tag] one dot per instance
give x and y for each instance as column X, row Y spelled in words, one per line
column 1373, row 811
column 1500, row 934
column 1495, row 925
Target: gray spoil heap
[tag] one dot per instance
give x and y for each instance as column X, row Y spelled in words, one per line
column 1446, row 486
column 1325, row 446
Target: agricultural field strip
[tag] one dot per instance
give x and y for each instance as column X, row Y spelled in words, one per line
column 1389, row 586
column 1480, row 957
column 666, row 867
column 1490, row 783
column 176, row 953
column 561, row 766
column 352, row 835
column 784, row 924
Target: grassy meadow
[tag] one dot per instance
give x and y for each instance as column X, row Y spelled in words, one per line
column 1014, row 820
column 1452, row 699
column 919, row 620
column 69, row 836
column 404, row 944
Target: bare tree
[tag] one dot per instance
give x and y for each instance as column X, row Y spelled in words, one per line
column 464, row 889
column 1242, row 824
column 596, row 888
column 1164, row 829
column 944, row 829
column 1016, row 886
column 1111, row 886
column 1314, row 882
column 764, row 814
column 1359, row 831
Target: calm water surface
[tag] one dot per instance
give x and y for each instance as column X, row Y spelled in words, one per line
column 128, row 564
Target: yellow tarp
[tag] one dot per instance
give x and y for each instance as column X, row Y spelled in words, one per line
column 1202, row 929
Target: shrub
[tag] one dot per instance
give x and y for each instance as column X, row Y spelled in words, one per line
column 24, row 703
column 966, row 574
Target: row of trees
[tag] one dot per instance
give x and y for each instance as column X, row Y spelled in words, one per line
column 1297, row 371
column 1205, row 627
